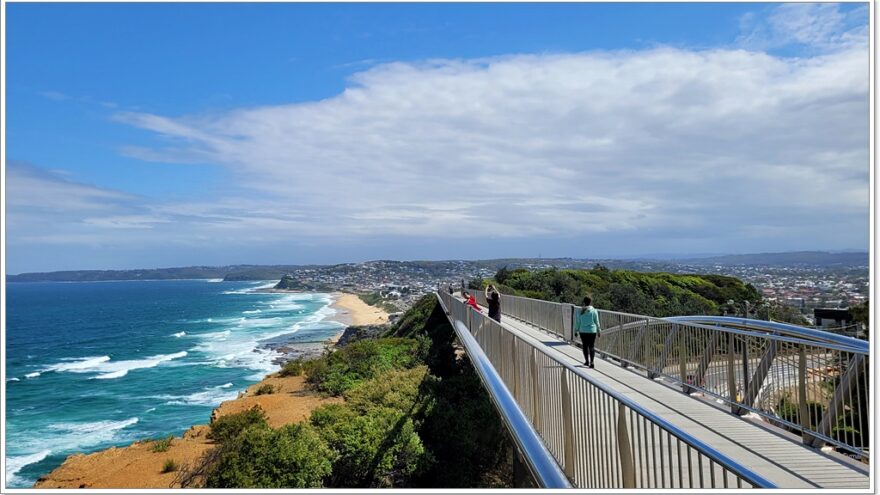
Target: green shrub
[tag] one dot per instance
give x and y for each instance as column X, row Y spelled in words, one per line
column 788, row 409
column 226, row 428
column 162, row 445
column 399, row 390
column 465, row 435
column 378, row 448
column 412, row 323
column 169, row 466
column 339, row 371
column 292, row 368
column 265, row 389
column 293, row 456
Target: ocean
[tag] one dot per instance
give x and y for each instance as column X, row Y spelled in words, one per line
column 99, row 364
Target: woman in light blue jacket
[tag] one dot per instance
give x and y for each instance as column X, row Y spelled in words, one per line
column 586, row 323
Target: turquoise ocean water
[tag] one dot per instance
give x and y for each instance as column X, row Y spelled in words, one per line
column 92, row 365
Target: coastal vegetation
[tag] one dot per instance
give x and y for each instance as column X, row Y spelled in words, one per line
column 170, row 465
column 265, row 389
column 162, row 445
column 652, row 294
column 657, row 294
column 376, row 299
column 289, row 282
column 414, row 415
column 293, row 367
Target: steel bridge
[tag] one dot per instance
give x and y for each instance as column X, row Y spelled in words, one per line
column 684, row 402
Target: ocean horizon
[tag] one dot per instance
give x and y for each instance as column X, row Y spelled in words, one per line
column 92, row 365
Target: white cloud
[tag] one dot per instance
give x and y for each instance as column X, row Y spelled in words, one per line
column 30, row 187
column 819, row 26
column 560, row 145
column 620, row 151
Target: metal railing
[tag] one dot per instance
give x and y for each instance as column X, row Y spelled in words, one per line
column 816, row 385
column 600, row 438
column 805, row 380
column 541, row 464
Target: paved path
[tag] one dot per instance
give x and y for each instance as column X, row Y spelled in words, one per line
column 775, row 454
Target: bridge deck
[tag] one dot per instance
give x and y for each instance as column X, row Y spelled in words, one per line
column 775, row 454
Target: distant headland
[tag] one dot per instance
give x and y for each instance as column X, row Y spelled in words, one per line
column 446, row 267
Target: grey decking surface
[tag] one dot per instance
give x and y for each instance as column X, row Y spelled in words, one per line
column 774, row 454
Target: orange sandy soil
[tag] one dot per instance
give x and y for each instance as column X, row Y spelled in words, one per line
column 136, row 466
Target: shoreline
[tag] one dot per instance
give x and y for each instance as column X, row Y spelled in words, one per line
column 138, row 466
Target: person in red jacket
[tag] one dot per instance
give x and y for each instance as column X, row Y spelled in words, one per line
column 471, row 301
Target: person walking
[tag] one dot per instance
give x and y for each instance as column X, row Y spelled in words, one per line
column 586, row 323
column 493, row 298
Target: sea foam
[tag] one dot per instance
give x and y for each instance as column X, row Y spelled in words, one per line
column 77, row 435
column 108, row 368
column 121, row 368
column 78, row 365
column 211, row 396
column 14, row 464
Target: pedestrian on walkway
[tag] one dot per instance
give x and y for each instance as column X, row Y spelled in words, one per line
column 586, row 323
column 471, row 301
column 493, row 298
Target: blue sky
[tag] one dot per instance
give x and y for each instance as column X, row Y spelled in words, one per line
column 143, row 135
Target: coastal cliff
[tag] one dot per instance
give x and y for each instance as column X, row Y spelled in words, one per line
column 140, row 465
column 376, row 412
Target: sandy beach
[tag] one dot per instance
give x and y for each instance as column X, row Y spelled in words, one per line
column 137, row 466
column 351, row 310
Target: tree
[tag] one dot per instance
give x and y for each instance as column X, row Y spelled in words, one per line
column 861, row 314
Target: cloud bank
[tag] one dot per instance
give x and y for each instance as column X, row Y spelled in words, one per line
column 729, row 148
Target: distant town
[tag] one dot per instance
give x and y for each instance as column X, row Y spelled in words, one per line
column 803, row 280
column 401, row 283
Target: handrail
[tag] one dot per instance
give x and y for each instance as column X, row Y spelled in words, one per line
column 636, row 412
column 738, row 326
column 857, row 345
column 539, row 460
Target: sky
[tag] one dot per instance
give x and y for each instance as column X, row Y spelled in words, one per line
column 158, row 135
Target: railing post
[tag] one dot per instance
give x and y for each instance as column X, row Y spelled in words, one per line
column 731, row 372
column 567, row 429
column 536, row 406
column 745, row 358
column 627, row 463
column 568, row 322
column 513, row 361
column 682, row 361
column 803, row 410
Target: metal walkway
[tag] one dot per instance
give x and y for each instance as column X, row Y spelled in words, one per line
column 771, row 452
column 745, row 444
